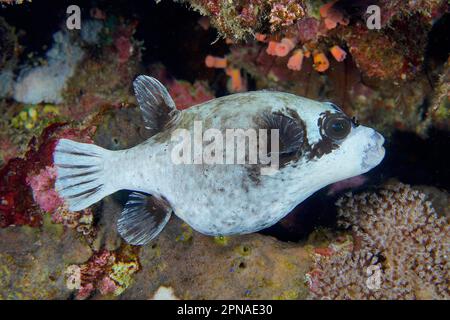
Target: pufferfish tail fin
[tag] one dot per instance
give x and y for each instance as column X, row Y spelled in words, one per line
column 82, row 179
column 143, row 218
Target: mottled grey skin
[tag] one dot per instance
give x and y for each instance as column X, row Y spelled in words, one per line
column 237, row 199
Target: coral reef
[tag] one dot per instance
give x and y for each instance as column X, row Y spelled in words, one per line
column 105, row 271
column 385, row 84
column 400, row 249
column 234, row 19
column 17, row 198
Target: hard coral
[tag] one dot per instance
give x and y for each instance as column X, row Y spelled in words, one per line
column 401, row 249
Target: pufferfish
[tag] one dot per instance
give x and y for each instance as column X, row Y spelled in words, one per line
column 318, row 145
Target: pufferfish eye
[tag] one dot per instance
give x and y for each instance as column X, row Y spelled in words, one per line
column 337, row 127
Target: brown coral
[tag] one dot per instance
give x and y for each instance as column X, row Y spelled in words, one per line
column 396, row 233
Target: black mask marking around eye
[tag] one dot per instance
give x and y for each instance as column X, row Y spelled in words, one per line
column 337, row 126
column 333, row 128
column 292, row 134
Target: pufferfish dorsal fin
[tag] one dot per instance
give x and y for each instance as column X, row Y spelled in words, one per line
column 155, row 102
column 143, row 218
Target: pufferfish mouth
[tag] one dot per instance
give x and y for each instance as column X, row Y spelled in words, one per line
column 374, row 151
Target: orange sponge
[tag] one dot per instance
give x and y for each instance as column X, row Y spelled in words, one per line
column 271, row 48
column 321, row 62
column 338, row 53
column 296, row 60
column 215, row 62
column 236, row 79
column 284, row 47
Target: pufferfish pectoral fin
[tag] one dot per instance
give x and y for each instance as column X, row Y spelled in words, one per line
column 155, row 102
column 143, row 218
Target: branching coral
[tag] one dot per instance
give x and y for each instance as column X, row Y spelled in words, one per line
column 401, row 249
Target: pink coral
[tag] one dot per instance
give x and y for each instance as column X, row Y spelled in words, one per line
column 296, row 60
column 17, row 206
column 93, row 271
column 338, row 53
column 107, row 286
column 271, row 48
column 123, row 41
column 187, row 95
column 44, row 192
column 285, row 46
